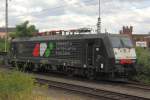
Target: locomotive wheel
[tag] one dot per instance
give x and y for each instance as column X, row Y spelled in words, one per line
column 90, row 73
column 18, row 66
column 41, row 68
column 29, row 67
column 14, row 64
column 70, row 73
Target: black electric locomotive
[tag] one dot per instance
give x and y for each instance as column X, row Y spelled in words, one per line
column 92, row 55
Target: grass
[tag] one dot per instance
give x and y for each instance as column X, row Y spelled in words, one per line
column 16, row 86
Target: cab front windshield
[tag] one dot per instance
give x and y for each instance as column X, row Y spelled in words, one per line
column 121, row 42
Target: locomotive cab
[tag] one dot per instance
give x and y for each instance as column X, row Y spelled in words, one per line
column 124, row 56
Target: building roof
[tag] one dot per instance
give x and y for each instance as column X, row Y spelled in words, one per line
column 141, row 35
column 147, row 37
column 11, row 29
column 65, row 37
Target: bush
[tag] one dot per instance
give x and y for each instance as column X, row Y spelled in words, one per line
column 16, row 86
column 143, row 65
column 2, row 45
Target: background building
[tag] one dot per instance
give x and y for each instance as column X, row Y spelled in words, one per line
column 138, row 39
column 3, row 33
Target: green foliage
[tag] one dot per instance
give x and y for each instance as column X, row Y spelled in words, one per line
column 24, row 30
column 15, row 86
column 143, row 65
column 2, row 45
column 12, row 34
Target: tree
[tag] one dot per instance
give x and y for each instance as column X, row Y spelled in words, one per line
column 24, row 30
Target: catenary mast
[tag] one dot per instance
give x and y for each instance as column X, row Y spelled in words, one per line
column 99, row 19
column 6, row 24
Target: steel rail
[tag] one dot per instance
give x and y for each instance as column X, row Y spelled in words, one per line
column 90, row 91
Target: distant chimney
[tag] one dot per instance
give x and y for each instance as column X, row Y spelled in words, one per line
column 120, row 32
column 131, row 29
column 126, row 30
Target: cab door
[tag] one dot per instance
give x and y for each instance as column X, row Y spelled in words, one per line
column 90, row 52
column 99, row 55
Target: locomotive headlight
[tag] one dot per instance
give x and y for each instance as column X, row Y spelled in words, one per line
column 97, row 49
column 102, row 66
column 134, row 61
column 84, row 66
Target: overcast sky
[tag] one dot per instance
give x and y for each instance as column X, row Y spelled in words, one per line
column 70, row 14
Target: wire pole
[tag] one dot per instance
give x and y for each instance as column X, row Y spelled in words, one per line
column 6, row 24
column 99, row 19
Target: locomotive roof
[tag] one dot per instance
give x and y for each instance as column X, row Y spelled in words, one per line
column 64, row 37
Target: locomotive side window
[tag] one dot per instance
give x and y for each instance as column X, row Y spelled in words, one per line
column 116, row 43
column 121, row 42
column 126, row 42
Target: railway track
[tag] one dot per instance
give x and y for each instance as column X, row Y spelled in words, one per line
column 130, row 84
column 95, row 89
column 90, row 91
column 138, row 86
